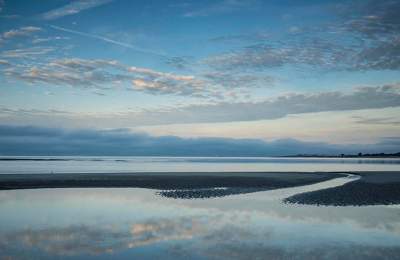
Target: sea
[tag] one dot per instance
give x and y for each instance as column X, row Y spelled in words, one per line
column 136, row 223
column 104, row 164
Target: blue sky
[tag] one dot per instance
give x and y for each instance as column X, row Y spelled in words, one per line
column 310, row 71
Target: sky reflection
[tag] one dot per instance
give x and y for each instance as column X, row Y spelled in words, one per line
column 127, row 223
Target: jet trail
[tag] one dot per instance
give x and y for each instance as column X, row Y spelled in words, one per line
column 123, row 44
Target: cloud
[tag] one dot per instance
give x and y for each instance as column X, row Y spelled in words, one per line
column 377, row 25
column 295, row 103
column 105, row 39
column 26, row 53
column 239, row 80
column 377, row 120
column 316, row 53
column 178, row 62
column 155, row 74
column 166, row 83
column 4, row 62
column 98, row 73
column 384, row 56
column 372, row 18
column 290, row 104
column 71, row 72
column 72, row 8
column 249, row 37
column 48, row 39
column 23, row 31
column 29, row 140
column 222, row 7
column 363, row 36
column 101, row 74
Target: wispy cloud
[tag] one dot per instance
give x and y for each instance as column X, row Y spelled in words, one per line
column 70, row 72
column 225, row 6
column 72, row 8
column 178, row 62
column 48, row 39
column 377, row 25
column 156, row 82
column 23, row 31
column 239, row 80
column 248, row 37
column 377, row 120
column 105, row 39
column 365, row 38
column 26, row 53
column 4, row 62
column 99, row 74
column 372, row 19
column 316, row 52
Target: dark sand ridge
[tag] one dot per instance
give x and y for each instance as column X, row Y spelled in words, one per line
column 177, row 185
column 164, row 180
column 373, row 188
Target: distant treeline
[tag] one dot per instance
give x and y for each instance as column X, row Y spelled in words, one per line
column 359, row 155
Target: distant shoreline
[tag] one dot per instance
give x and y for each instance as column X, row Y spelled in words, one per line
column 378, row 156
column 72, row 157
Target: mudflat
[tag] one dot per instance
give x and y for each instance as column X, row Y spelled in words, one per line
column 373, row 188
column 165, row 180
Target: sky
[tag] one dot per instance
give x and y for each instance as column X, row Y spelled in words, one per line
column 255, row 77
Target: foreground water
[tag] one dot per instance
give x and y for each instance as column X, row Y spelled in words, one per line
column 75, row 164
column 136, row 223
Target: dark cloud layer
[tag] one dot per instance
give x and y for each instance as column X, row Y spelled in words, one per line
column 361, row 98
column 29, row 140
column 295, row 103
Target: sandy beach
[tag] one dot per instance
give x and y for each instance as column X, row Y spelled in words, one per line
column 164, row 180
column 373, row 188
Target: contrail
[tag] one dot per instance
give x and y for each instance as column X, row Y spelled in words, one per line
column 123, row 44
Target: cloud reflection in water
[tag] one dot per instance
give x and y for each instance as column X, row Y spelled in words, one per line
column 134, row 223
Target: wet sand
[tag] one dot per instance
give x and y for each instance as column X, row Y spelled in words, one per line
column 165, row 180
column 373, row 188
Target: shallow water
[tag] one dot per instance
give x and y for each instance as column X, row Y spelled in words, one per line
column 74, row 164
column 135, row 223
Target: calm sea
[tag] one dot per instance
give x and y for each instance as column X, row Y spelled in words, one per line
column 79, row 164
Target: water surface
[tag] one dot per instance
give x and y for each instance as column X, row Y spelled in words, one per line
column 135, row 223
column 74, row 164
